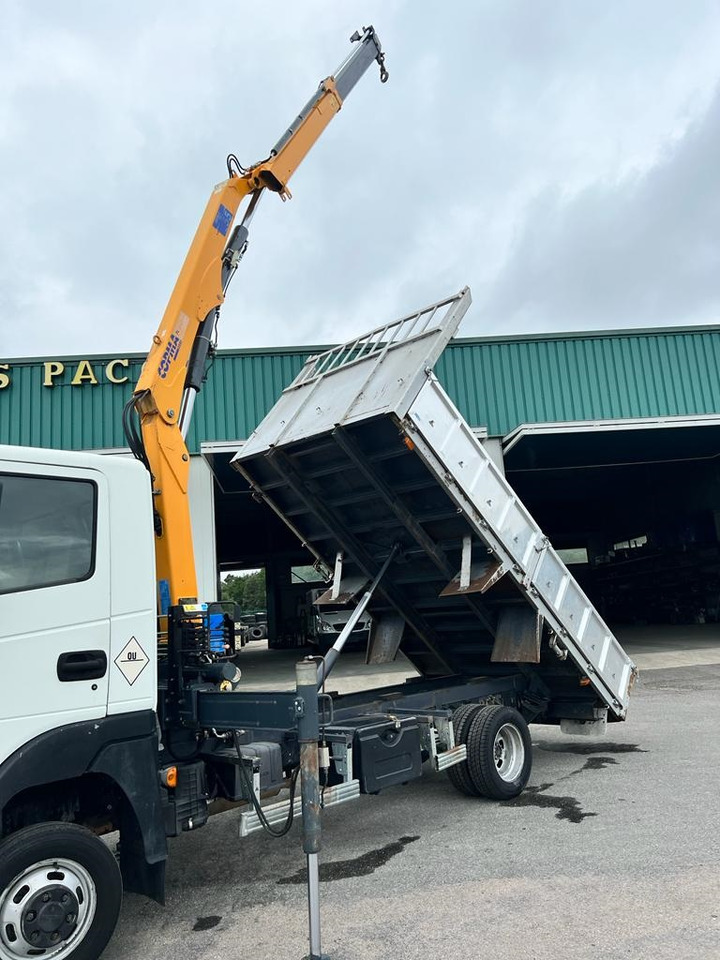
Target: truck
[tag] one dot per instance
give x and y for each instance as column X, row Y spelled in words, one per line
column 325, row 623
column 132, row 719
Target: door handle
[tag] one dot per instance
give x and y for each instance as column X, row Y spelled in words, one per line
column 81, row 665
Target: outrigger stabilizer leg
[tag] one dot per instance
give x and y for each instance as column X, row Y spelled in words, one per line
column 309, row 678
column 307, row 711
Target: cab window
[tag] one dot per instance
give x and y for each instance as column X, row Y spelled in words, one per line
column 47, row 531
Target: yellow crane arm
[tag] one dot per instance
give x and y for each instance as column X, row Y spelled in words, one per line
column 174, row 369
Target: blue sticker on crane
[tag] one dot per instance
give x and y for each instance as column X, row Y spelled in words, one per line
column 223, row 219
column 164, row 586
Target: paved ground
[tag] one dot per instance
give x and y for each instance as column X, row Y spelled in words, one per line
column 612, row 852
column 650, row 647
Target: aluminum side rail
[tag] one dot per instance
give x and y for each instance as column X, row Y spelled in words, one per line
column 452, row 452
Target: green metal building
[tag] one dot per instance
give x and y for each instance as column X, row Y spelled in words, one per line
column 612, row 438
column 498, row 383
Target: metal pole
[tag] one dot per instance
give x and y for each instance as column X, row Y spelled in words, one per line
column 333, row 653
column 314, row 906
column 308, row 735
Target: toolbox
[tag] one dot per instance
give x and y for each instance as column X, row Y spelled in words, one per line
column 386, row 749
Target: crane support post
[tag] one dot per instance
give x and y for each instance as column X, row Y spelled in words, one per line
column 174, row 369
column 198, row 290
column 160, row 387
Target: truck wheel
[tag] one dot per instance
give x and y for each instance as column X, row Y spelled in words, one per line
column 459, row 774
column 61, row 892
column 499, row 752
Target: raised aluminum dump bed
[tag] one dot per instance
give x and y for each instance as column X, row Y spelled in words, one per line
column 364, row 452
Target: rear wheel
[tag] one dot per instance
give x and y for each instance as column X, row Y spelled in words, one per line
column 499, row 752
column 459, row 774
column 60, row 893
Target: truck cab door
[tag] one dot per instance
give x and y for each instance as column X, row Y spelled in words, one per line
column 54, row 599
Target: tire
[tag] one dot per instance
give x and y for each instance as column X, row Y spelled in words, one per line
column 49, row 872
column 499, row 752
column 458, row 774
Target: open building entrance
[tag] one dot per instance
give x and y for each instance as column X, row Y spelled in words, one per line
column 633, row 505
column 249, row 536
column 637, row 504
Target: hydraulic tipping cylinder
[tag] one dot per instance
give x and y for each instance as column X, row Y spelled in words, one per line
column 334, row 652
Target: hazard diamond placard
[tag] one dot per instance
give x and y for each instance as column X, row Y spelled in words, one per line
column 132, row 660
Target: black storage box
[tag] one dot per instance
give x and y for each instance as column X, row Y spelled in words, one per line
column 225, row 763
column 186, row 806
column 386, row 751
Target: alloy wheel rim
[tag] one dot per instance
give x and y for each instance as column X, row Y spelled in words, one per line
column 508, row 752
column 47, row 909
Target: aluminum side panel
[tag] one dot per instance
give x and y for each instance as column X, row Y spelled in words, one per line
column 350, row 393
column 492, row 508
column 376, row 374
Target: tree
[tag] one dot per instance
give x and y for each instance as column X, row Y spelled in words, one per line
column 246, row 590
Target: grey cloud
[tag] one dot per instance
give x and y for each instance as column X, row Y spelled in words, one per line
column 642, row 251
column 506, row 130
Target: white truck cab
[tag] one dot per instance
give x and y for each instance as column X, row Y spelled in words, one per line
column 79, row 615
column 78, row 691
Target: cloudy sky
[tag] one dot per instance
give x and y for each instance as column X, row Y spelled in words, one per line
column 562, row 158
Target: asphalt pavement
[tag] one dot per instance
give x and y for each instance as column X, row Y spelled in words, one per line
column 611, row 852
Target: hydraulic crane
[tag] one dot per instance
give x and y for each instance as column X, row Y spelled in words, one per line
column 175, row 367
column 124, row 727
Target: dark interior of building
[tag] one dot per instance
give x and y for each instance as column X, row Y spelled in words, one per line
column 640, row 511
column 636, row 513
column 250, row 536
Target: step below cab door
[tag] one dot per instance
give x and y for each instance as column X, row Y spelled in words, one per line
column 54, row 599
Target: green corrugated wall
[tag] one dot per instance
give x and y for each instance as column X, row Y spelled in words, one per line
column 497, row 383
column 503, row 383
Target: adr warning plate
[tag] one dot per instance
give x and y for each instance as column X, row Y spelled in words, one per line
column 132, row 660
